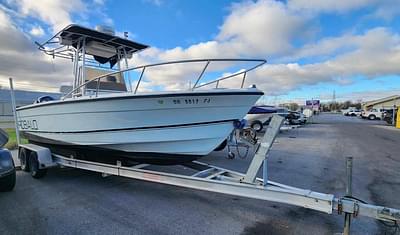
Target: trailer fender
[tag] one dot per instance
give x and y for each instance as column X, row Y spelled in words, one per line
column 43, row 154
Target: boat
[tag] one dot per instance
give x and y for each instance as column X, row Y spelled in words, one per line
column 107, row 115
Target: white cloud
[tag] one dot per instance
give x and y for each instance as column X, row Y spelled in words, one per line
column 386, row 10
column 376, row 53
column 155, row 2
column 37, row 31
column 249, row 31
column 329, row 5
column 263, row 28
column 99, row 2
column 382, row 9
column 56, row 13
column 20, row 59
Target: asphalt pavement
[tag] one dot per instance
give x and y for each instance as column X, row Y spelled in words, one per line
column 70, row 201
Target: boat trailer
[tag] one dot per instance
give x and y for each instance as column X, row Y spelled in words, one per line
column 37, row 159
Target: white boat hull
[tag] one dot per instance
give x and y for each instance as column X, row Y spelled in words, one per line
column 193, row 123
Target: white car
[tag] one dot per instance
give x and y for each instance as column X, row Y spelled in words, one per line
column 260, row 116
column 372, row 114
column 354, row 112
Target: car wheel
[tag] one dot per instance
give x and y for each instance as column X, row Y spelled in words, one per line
column 7, row 183
column 371, row 117
column 257, row 126
column 34, row 165
column 23, row 158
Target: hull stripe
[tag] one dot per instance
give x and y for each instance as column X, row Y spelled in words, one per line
column 200, row 94
column 133, row 128
column 126, row 111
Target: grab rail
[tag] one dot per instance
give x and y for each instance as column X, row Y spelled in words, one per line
column 143, row 67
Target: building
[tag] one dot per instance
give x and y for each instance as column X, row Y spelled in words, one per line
column 21, row 98
column 384, row 103
column 313, row 105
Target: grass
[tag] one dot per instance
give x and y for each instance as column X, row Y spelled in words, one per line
column 12, row 139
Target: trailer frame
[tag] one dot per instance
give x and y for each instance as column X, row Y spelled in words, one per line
column 220, row 180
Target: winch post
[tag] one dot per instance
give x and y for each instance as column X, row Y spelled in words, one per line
column 349, row 175
column 260, row 156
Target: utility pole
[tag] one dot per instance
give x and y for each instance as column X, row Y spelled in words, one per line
column 334, row 100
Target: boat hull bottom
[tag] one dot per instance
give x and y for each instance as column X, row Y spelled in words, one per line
column 166, row 146
column 109, row 156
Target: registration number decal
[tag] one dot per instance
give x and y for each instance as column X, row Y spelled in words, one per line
column 192, row 101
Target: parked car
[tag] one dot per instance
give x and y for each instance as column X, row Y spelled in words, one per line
column 7, row 167
column 354, row 112
column 260, row 116
column 296, row 118
column 345, row 111
column 302, row 118
column 372, row 114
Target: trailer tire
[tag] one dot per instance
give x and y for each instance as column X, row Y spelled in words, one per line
column 34, row 166
column 231, row 155
column 24, row 160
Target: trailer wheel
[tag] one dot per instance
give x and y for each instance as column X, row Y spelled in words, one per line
column 34, row 165
column 23, row 158
column 231, row 155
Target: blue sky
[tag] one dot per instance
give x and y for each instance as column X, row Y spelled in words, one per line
column 172, row 23
column 313, row 47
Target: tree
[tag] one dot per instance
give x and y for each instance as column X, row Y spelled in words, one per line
column 335, row 106
column 293, row 106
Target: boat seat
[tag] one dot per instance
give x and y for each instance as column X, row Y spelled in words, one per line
column 108, row 86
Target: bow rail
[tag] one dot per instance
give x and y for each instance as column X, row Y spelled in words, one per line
column 77, row 91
